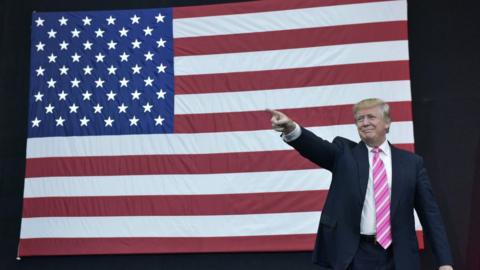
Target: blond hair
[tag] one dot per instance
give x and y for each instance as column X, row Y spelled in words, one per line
column 373, row 102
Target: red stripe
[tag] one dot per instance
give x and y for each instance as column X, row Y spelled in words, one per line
column 170, row 164
column 176, row 205
column 167, row 164
column 297, row 77
column 288, row 39
column 257, row 6
column 421, row 244
column 406, row 146
column 259, row 120
column 84, row 246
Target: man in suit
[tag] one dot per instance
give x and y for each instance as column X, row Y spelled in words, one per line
column 367, row 221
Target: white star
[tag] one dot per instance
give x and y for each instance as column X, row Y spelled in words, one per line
column 38, row 96
column 147, row 107
column 112, row 45
column 148, row 81
column 39, row 22
column 75, row 33
column 136, row 95
column 40, row 46
column 51, row 83
column 59, row 121
column 136, row 44
column 62, row 95
column 63, row 70
column 159, row 17
column 159, row 121
column 63, row 45
column 99, row 32
column 73, row 108
column 87, row 45
column 51, row 33
column 161, row 94
column 40, row 71
column 52, row 58
column 123, row 82
column 63, row 21
column 76, row 57
column 111, row 95
column 108, row 122
column 49, row 108
column 122, row 108
column 148, row 31
column 99, row 83
column 111, row 20
column 123, row 32
column 124, row 57
column 111, row 70
column 135, row 19
column 75, row 82
column 133, row 121
column 86, row 95
column 161, row 68
column 99, row 57
column 149, row 56
column 161, row 43
column 87, row 70
column 86, row 21
column 136, row 69
column 84, row 121
column 36, row 122
column 98, row 108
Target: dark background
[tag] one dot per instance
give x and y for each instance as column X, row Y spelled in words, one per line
column 445, row 58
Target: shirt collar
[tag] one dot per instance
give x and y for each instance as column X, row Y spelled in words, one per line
column 385, row 147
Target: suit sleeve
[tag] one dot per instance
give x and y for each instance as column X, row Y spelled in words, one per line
column 430, row 217
column 316, row 149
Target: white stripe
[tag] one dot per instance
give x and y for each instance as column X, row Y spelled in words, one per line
column 171, row 226
column 290, row 98
column 292, row 58
column 383, row 203
column 378, row 176
column 377, row 162
column 193, row 184
column 383, row 187
column 199, row 143
column 418, row 225
column 290, row 19
column 384, row 233
column 382, row 220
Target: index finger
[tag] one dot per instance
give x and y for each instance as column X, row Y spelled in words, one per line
column 274, row 112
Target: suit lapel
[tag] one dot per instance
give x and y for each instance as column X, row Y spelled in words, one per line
column 396, row 182
column 361, row 156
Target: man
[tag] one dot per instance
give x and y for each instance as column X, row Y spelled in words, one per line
column 367, row 221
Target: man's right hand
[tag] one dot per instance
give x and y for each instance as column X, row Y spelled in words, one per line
column 281, row 122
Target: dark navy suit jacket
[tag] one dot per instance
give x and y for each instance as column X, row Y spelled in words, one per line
column 339, row 229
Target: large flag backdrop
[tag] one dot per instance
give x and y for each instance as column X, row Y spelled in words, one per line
column 147, row 130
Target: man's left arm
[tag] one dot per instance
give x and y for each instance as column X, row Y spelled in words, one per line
column 431, row 219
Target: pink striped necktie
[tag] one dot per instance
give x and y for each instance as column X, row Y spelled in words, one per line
column 382, row 200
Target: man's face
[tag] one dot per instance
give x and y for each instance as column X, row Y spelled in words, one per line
column 371, row 126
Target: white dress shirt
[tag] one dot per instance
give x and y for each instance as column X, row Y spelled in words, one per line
column 368, row 220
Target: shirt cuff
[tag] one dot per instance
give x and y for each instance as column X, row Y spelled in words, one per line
column 293, row 135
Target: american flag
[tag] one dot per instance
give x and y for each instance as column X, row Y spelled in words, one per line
column 147, row 130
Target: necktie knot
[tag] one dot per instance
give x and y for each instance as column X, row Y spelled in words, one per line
column 376, row 150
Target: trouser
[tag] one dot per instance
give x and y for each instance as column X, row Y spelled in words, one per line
column 371, row 256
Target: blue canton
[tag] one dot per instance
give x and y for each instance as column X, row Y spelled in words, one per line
column 101, row 73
